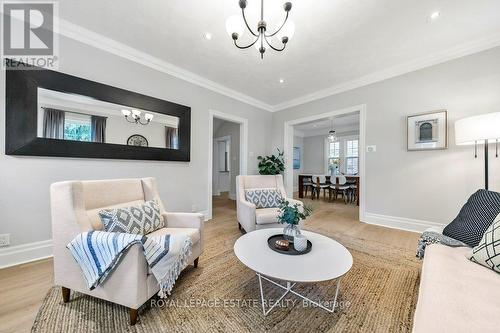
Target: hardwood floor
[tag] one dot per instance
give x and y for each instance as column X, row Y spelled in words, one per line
column 23, row 287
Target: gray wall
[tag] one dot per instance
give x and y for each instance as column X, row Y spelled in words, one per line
column 25, row 181
column 428, row 185
column 314, row 154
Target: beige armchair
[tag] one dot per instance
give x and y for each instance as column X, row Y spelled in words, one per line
column 249, row 217
column 75, row 207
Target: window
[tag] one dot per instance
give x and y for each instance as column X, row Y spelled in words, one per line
column 77, row 127
column 334, row 156
column 351, row 160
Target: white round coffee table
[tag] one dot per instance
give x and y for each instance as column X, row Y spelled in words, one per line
column 328, row 260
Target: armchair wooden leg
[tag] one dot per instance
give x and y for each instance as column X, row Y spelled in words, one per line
column 66, row 292
column 133, row 316
column 196, row 262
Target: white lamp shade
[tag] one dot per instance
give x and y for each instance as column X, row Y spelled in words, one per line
column 477, row 129
column 236, row 24
column 148, row 116
column 136, row 112
column 126, row 112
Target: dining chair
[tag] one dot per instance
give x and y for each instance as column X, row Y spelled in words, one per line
column 307, row 182
column 319, row 183
column 339, row 185
column 353, row 192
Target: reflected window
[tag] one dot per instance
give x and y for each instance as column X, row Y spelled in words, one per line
column 77, row 127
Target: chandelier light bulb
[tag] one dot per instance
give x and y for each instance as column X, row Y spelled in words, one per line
column 148, row 116
column 235, row 24
column 126, row 112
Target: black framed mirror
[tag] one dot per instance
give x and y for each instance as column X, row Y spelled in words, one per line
column 50, row 113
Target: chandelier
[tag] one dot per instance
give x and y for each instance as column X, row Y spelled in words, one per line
column 236, row 25
column 136, row 116
column 332, row 137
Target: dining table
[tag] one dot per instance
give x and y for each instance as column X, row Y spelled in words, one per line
column 350, row 178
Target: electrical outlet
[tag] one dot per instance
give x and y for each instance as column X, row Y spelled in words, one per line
column 371, row 149
column 4, row 239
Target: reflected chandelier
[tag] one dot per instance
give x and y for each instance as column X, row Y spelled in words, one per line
column 136, row 116
column 236, row 25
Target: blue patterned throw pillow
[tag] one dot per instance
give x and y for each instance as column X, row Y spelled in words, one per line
column 263, row 197
column 141, row 219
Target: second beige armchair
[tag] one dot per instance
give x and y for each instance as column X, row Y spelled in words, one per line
column 251, row 218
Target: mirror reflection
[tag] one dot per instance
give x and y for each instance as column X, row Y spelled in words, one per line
column 74, row 117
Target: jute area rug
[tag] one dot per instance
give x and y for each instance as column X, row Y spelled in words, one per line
column 378, row 295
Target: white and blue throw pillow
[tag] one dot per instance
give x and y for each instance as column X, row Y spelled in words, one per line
column 487, row 252
column 474, row 217
column 263, row 197
column 141, row 219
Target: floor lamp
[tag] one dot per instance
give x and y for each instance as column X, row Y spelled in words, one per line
column 477, row 130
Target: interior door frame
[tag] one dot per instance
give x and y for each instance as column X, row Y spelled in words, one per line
column 288, row 149
column 243, row 148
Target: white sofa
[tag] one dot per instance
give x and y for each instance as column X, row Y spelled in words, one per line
column 249, row 217
column 456, row 295
column 75, row 207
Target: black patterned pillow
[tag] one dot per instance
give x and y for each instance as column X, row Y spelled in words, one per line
column 263, row 197
column 474, row 217
column 141, row 219
column 487, row 252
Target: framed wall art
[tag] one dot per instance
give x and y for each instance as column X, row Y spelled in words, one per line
column 427, row 131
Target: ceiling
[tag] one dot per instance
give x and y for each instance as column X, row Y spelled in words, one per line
column 335, row 43
column 346, row 123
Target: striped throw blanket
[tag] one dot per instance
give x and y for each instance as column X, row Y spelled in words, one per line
column 99, row 252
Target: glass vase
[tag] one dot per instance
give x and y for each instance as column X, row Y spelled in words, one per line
column 290, row 231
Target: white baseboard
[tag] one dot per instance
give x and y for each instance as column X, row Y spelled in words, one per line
column 21, row 254
column 399, row 222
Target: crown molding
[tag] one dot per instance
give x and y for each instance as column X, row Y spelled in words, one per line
column 456, row 52
column 99, row 41
column 112, row 46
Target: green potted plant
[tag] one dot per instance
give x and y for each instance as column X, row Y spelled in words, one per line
column 272, row 164
column 291, row 215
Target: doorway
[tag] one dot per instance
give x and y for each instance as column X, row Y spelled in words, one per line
column 323, row 165
column 228, row 140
